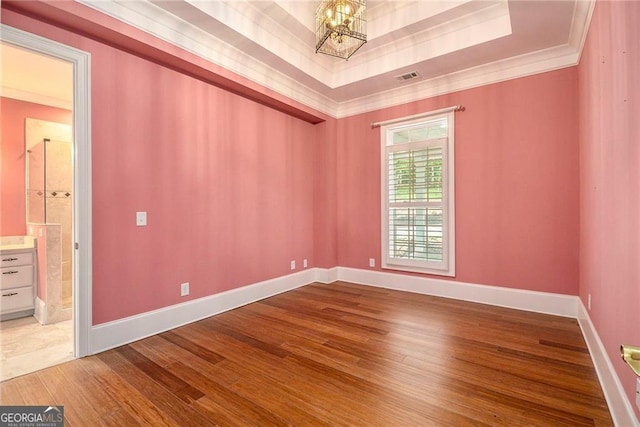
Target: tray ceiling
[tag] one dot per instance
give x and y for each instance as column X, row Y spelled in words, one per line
column 449, row 45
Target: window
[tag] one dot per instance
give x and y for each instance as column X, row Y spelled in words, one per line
column 418, row 195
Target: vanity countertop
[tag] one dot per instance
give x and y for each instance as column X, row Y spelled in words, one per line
column 11, row 243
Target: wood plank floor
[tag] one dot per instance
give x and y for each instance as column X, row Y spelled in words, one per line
column 339, row 354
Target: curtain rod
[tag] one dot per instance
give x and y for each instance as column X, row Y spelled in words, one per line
column 417, row 116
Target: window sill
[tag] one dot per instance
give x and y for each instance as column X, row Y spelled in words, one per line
column 423, row 270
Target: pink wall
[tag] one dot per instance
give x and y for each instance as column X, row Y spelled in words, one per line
column 228, row 183
column 325, row 209
column 235, row 190
column 610, row 179
column 12, row 174
column 516, row 183
column 98, row 26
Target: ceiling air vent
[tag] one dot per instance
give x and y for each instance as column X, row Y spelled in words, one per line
column 408, row 76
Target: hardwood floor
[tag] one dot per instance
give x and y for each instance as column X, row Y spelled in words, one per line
column 339, row 354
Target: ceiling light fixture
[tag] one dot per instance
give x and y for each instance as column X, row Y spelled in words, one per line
column 341, row 27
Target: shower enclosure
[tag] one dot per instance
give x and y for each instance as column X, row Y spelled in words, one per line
column 49, row 170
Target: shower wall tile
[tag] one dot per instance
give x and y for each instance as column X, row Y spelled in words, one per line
column 35, row 206
column 36, row 183
column 55, row 311
column 52, row 286
column 59, row 167
column 13, row 176
column 67, row 270
column 60, row 211
column 39, row 231
column 50, row 201
column 37, row 130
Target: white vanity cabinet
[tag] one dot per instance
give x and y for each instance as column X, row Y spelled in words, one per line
column 17, row 283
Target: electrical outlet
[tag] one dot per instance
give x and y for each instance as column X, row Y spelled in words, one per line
column 304, row 263
column 293, row 265
column 589, row 301
column 141, row 219
column 184, row 289
column 372, row 262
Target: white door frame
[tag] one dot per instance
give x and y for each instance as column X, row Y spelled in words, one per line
column 82, row 264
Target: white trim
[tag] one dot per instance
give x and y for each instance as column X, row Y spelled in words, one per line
column 123, row 331
column 310, row 89
column 36, row 98
column 525, row 65
column 415, row 116
column 326, row 275
column 539, row 302
column 82, row 173
column 619, row 404
column 448, row 265
column 155, row 21
column 580, row 23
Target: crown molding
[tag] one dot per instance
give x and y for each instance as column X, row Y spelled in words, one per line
column 545, row 60
column 580, row 25
column 36, row 98
column 475, row 28
column 499, row 71
column 312, row 92
column 153, row 20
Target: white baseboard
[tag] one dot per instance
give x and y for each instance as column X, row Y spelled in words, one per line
column 327, row 275
column 619, row 404
column 113, row 334
column 540, row 302
column 123, row 331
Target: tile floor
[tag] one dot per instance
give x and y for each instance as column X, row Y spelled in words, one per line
column 27, row 346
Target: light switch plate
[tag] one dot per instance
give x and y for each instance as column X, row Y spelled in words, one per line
column 638, row 392
column 141, row 219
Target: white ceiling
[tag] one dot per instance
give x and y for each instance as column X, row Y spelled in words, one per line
column 451, row 44
column 35, row 78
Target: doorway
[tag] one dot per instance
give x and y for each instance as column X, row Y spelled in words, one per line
column 75, row 297
column 49, row 208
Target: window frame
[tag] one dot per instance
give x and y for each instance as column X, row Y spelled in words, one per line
column 447, row 266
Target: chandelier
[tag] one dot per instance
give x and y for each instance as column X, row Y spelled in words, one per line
column 341, row 27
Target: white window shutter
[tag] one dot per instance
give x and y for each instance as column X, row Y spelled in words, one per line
column 415, row 192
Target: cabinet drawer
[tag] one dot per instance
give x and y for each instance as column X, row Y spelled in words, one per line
column 16, row 259
column 16, row 299
column 15, row 277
